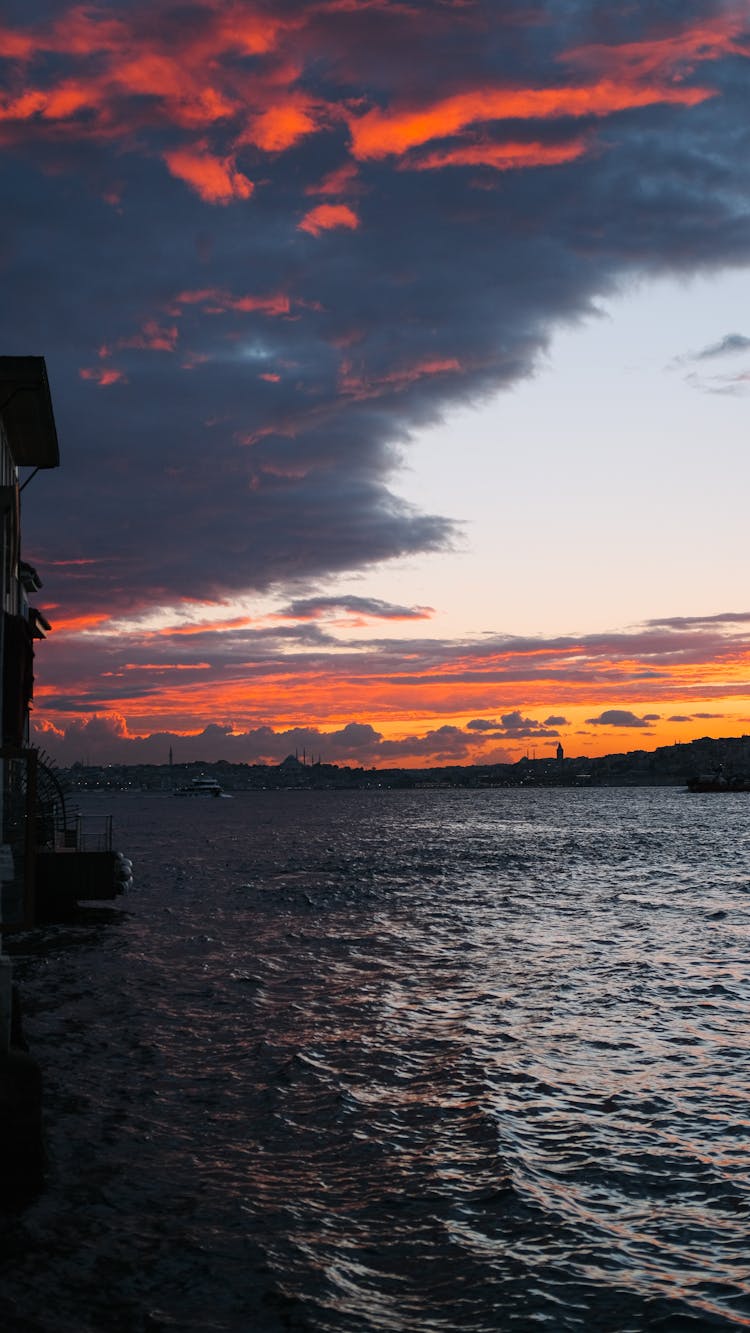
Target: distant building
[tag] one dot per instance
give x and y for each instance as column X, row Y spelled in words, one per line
column 560, row 752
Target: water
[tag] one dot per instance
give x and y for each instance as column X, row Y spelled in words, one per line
column 399, row 1061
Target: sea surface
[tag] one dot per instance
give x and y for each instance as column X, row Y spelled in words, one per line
column 426, row 1061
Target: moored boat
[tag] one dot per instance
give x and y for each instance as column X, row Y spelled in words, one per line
column 718, row 782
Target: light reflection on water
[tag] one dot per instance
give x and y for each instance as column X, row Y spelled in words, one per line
column 399, row 1061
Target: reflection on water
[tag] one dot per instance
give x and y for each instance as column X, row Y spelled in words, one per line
column 398, row 1061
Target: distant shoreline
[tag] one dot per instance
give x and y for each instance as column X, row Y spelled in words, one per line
column 671, row 766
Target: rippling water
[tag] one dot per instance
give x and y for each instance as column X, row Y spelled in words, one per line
column 397, row 1061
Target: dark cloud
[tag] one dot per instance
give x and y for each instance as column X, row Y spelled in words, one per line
column 104, row 739
column 620, row 717
column 446, row 744
column 254, row 272
column 727, row 618
column 727, row 346
column 512, row 726
column 694, row 717
column 368, row 608
column 722, row 383
column 556, row 722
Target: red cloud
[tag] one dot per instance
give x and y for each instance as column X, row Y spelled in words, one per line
column 325, row 217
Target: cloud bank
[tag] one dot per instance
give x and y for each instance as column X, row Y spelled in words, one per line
column 235, row 366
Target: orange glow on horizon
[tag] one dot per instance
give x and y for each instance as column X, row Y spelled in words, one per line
column 598, row 695
column 579, row 735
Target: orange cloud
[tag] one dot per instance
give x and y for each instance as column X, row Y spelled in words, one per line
column 325, row 217
column 60, row 103
column 282, row 124
column 706, row 40
column 358, row 387
column 160, row 666
column 145, row 73
column 339, row 181
column 193, row 359
column 248, row 33
column 203, row 627
column 134, row 72
column 16, row 45
column 65, row 564
column 153, row 337
column 215, row 179
column 501, row 156
column 77, row 624
column 103, row 377
column 191, row 102
column 379, row 134
column 215, row 301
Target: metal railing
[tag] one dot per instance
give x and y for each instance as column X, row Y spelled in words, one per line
column 93, row 833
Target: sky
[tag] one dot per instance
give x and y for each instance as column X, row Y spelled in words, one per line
column 400, row 358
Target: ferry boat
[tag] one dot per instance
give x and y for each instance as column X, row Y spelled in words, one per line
column 203, row 787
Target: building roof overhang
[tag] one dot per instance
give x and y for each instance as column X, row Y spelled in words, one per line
column 40, row 626
column 30, row 580
column 26, row 411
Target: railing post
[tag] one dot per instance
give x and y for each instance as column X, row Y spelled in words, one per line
column 6, row 1001
column 29, row 896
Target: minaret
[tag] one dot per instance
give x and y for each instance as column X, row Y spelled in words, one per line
column 560, row 752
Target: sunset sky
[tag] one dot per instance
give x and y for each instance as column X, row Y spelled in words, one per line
column 400, row 357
